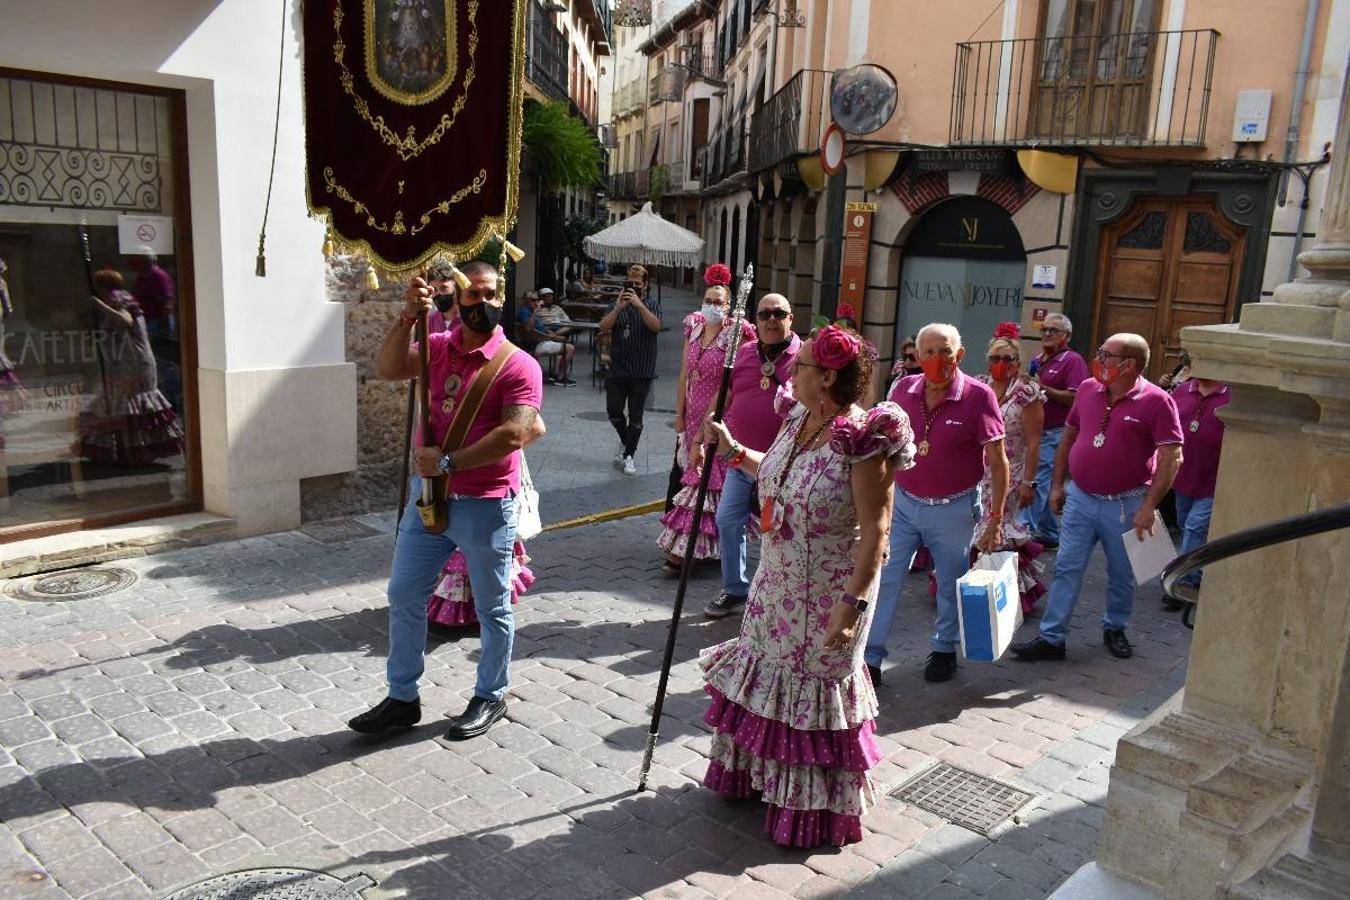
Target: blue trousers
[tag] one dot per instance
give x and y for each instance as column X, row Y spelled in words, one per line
column 1038, row 516
column 1087, row 520
column 733, row 511
column 946, row 531
column 484, row 530
column 1193, row 515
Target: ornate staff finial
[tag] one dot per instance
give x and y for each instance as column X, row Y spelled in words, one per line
column 738, row 313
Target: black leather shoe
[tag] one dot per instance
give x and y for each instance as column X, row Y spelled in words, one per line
column 476, row 719
column 875, row 673
column 388, row 713
column 1117, row 644
column 941, row 667
column 1037, row 648
column 723, row 606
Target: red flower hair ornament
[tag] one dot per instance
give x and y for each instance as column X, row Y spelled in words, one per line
column 834, row 348
column 1008, row 330
column 717, row 275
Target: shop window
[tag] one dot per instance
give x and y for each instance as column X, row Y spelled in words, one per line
column 96, row 361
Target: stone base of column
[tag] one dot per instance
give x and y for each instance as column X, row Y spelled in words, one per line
column 1195, row 805
column 1293, row 878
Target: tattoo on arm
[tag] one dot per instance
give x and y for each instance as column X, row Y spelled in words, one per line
column 522, row 416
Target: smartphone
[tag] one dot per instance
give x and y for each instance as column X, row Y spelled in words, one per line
column 633, row 286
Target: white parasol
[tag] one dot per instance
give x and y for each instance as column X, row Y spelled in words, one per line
column 646, row 238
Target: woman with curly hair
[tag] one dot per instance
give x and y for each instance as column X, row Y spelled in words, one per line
column 793, row 707
column 706, row 338
column 1022, row 403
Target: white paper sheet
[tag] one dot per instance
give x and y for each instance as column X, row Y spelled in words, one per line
column 1151, row 555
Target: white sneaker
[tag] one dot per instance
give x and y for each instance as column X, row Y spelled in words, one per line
column 628, row 467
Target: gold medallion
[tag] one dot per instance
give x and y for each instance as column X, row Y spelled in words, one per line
column 1100, row 440
column 923, row 447
column 764, row 384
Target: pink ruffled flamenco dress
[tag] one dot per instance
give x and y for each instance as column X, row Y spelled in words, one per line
column 703, row 366
column 794, row 724
column 451, row 604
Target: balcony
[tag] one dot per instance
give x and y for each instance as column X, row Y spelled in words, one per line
column 546, row 55
column 701, row 62
column 623, row 186
column 667, row 180
column 1142, row 89
column 792, row 122
column 725, row 155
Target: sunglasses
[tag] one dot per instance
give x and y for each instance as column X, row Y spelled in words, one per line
column 1004, row 359
column 765, row 315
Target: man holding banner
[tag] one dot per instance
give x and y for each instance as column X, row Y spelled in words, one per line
column 484, row 479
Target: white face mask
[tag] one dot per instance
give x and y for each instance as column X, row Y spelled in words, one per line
column 712, row 313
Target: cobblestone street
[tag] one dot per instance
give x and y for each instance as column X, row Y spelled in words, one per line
column 192, row 724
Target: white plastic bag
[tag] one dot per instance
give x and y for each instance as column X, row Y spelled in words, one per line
column 527, row 505
column 988, row 606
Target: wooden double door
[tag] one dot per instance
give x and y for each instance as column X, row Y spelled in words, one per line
column 1167, row 263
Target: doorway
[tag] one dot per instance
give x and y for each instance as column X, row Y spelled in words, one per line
column 1166, row 264
column 963, row 264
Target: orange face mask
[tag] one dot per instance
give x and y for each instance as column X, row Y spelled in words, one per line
column 1001, row 371
column 1104, row 373
column 937, row 369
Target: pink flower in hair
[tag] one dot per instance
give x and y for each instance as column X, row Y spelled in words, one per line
column 717, row 275
column 834, row 348
column 1008, row 330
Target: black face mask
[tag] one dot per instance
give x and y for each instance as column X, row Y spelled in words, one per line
column 481, row 317
column 444, row 302
column 778, row 347
column 913, row 370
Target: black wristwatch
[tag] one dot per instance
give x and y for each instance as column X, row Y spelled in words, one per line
column 446, row 464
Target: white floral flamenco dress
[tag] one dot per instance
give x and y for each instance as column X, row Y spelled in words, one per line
column 794, row 723
column 451, row 604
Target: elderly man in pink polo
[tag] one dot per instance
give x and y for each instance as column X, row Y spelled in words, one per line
column 958, row 429
column 1122, row 446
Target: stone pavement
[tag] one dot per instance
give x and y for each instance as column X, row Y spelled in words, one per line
column 192, row 725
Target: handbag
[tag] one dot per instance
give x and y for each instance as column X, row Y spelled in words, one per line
column 528, row 523
column 987, row 606
column 675, row 481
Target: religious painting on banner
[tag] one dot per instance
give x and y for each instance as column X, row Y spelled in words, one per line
column 412, row 123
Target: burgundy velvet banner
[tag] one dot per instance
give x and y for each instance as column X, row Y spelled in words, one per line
column 412, row 123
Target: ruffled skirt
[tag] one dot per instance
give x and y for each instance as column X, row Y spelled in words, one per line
column 452, row 602
column 802, row 744
column 676, row 524
column 138, row 430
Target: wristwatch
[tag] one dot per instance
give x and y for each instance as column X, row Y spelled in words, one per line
column 857, row 603
column 446, row 464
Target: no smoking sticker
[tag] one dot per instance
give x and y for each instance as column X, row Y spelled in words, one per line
column 141, row 234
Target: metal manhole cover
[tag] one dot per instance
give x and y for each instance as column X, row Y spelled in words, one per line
column 338, row 531
column 75, row 584
column 274, row 884
column 962, row 798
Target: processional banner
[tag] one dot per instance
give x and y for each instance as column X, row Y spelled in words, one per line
column 413, row 123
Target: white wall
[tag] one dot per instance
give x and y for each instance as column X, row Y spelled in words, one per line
column 224, row 55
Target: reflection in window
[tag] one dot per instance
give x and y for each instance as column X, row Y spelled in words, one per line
column 1202, row 236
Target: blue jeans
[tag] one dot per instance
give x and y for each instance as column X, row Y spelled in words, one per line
column 1193, row 516
column 733, row 511
column 1038, row 516
column 484, row 529
column 946, row 531
column 1087, row 520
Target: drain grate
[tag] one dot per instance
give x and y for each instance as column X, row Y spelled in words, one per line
column 962, row 798
column 75, row 584
column 338, row 531
column 274, row 884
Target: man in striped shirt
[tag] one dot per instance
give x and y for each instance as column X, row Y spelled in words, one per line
column 633, row 324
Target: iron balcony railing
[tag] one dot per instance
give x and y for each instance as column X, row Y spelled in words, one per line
column 792, row 122
column 701, row 61
column 623, row 185
column 643, row 184
column 1138, row 89
column 725, row 154
column 546, row 55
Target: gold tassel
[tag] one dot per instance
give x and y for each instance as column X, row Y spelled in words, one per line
column 460, row 278
column 511, row 250
column 260, row 265
column 372, row 280
column 329, row 249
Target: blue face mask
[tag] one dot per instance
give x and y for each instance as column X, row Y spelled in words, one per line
column 712, row 314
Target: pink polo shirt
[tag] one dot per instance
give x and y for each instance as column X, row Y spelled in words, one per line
column 1142, row 420
column 1200, row 453
column 519, row 383
column 750, row 416
column 1064, row 371
column 958, row 428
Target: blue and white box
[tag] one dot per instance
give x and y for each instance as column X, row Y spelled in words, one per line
column 988, row 606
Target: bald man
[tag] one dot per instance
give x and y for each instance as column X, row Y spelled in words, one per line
column 1122, row 447
column 958, row 428
column 760, row 369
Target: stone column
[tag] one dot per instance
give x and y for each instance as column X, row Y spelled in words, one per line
column 1240, row 787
